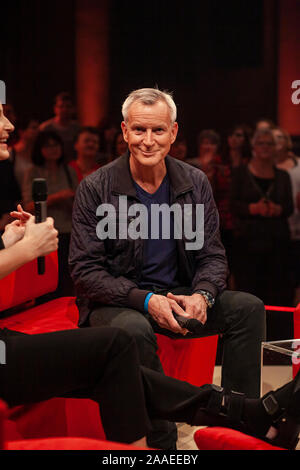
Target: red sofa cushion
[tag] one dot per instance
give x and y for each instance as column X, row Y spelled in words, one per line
column 217, row 438
column 58, row 314
column 26, row 284
column 68, row 443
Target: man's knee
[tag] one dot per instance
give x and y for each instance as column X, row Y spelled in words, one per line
column 138, row 327
column 247, row 308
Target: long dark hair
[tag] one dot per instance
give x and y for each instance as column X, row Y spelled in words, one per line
column 42, row 139
column 246, row 148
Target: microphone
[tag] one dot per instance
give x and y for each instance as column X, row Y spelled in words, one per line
column 39, row 196
column 191, row 324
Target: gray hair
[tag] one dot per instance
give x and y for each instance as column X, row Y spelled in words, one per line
column 149, row 96
column 262, row 133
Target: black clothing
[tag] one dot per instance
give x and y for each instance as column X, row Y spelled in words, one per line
column 262, row 243
column 10, row 193
column 100, row 364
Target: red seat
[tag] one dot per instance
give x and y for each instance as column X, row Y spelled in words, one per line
column 59, row 443
column 192, row 360
column 217, row 438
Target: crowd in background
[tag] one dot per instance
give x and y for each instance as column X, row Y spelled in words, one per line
column 253, row 171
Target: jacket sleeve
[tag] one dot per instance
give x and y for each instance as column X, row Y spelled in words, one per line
column 211, row 262
column 87, row 257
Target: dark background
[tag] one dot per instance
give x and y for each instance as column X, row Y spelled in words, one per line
column 219, row 58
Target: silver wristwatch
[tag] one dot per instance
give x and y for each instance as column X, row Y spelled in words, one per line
column 209, row 298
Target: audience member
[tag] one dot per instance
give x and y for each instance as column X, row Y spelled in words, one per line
column 261, row 203
column 21, row 152
column 179, row 148
column 208, row 153
column 63, row 124
column 236, row 151
column 87, row 149
column 287, row 160
column 119, row 146
column 48, row 163
column 109, row 130
column 263, row 124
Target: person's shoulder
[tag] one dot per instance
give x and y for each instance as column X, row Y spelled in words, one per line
column 282, row 175
column 193, row 162
column 96, row 178
column 46, row 125
column 185, row 165
column 72, row 171
column 281, row 172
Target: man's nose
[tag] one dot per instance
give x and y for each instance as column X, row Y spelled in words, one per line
column 148, row 138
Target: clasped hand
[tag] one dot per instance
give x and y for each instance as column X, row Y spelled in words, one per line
column 40, row 238
column 189, row 306
column 266, row 208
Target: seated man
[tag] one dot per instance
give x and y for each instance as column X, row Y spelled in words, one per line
column 134, row 278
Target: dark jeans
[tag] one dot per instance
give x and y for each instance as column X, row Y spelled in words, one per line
column 100, row 364
column 238, row 316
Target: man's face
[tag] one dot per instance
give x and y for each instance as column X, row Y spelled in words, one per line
column 87, row 144
column 6, row 128
column 149, row 132
column 63, row 109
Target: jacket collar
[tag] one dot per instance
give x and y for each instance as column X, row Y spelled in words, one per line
column 180, row 179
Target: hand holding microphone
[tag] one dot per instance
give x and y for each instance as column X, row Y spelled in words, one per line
column 190, row 324
column 39, row 236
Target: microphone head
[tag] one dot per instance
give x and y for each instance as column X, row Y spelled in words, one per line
column 39, row 190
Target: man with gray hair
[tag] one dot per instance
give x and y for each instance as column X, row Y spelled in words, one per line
column 141, row 283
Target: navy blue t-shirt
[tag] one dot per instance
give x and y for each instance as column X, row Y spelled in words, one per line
column 160, row 256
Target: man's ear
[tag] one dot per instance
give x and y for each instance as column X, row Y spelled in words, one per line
column 124, row 130
column 174, row 132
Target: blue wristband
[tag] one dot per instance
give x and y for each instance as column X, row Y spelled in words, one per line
column 147, row 301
